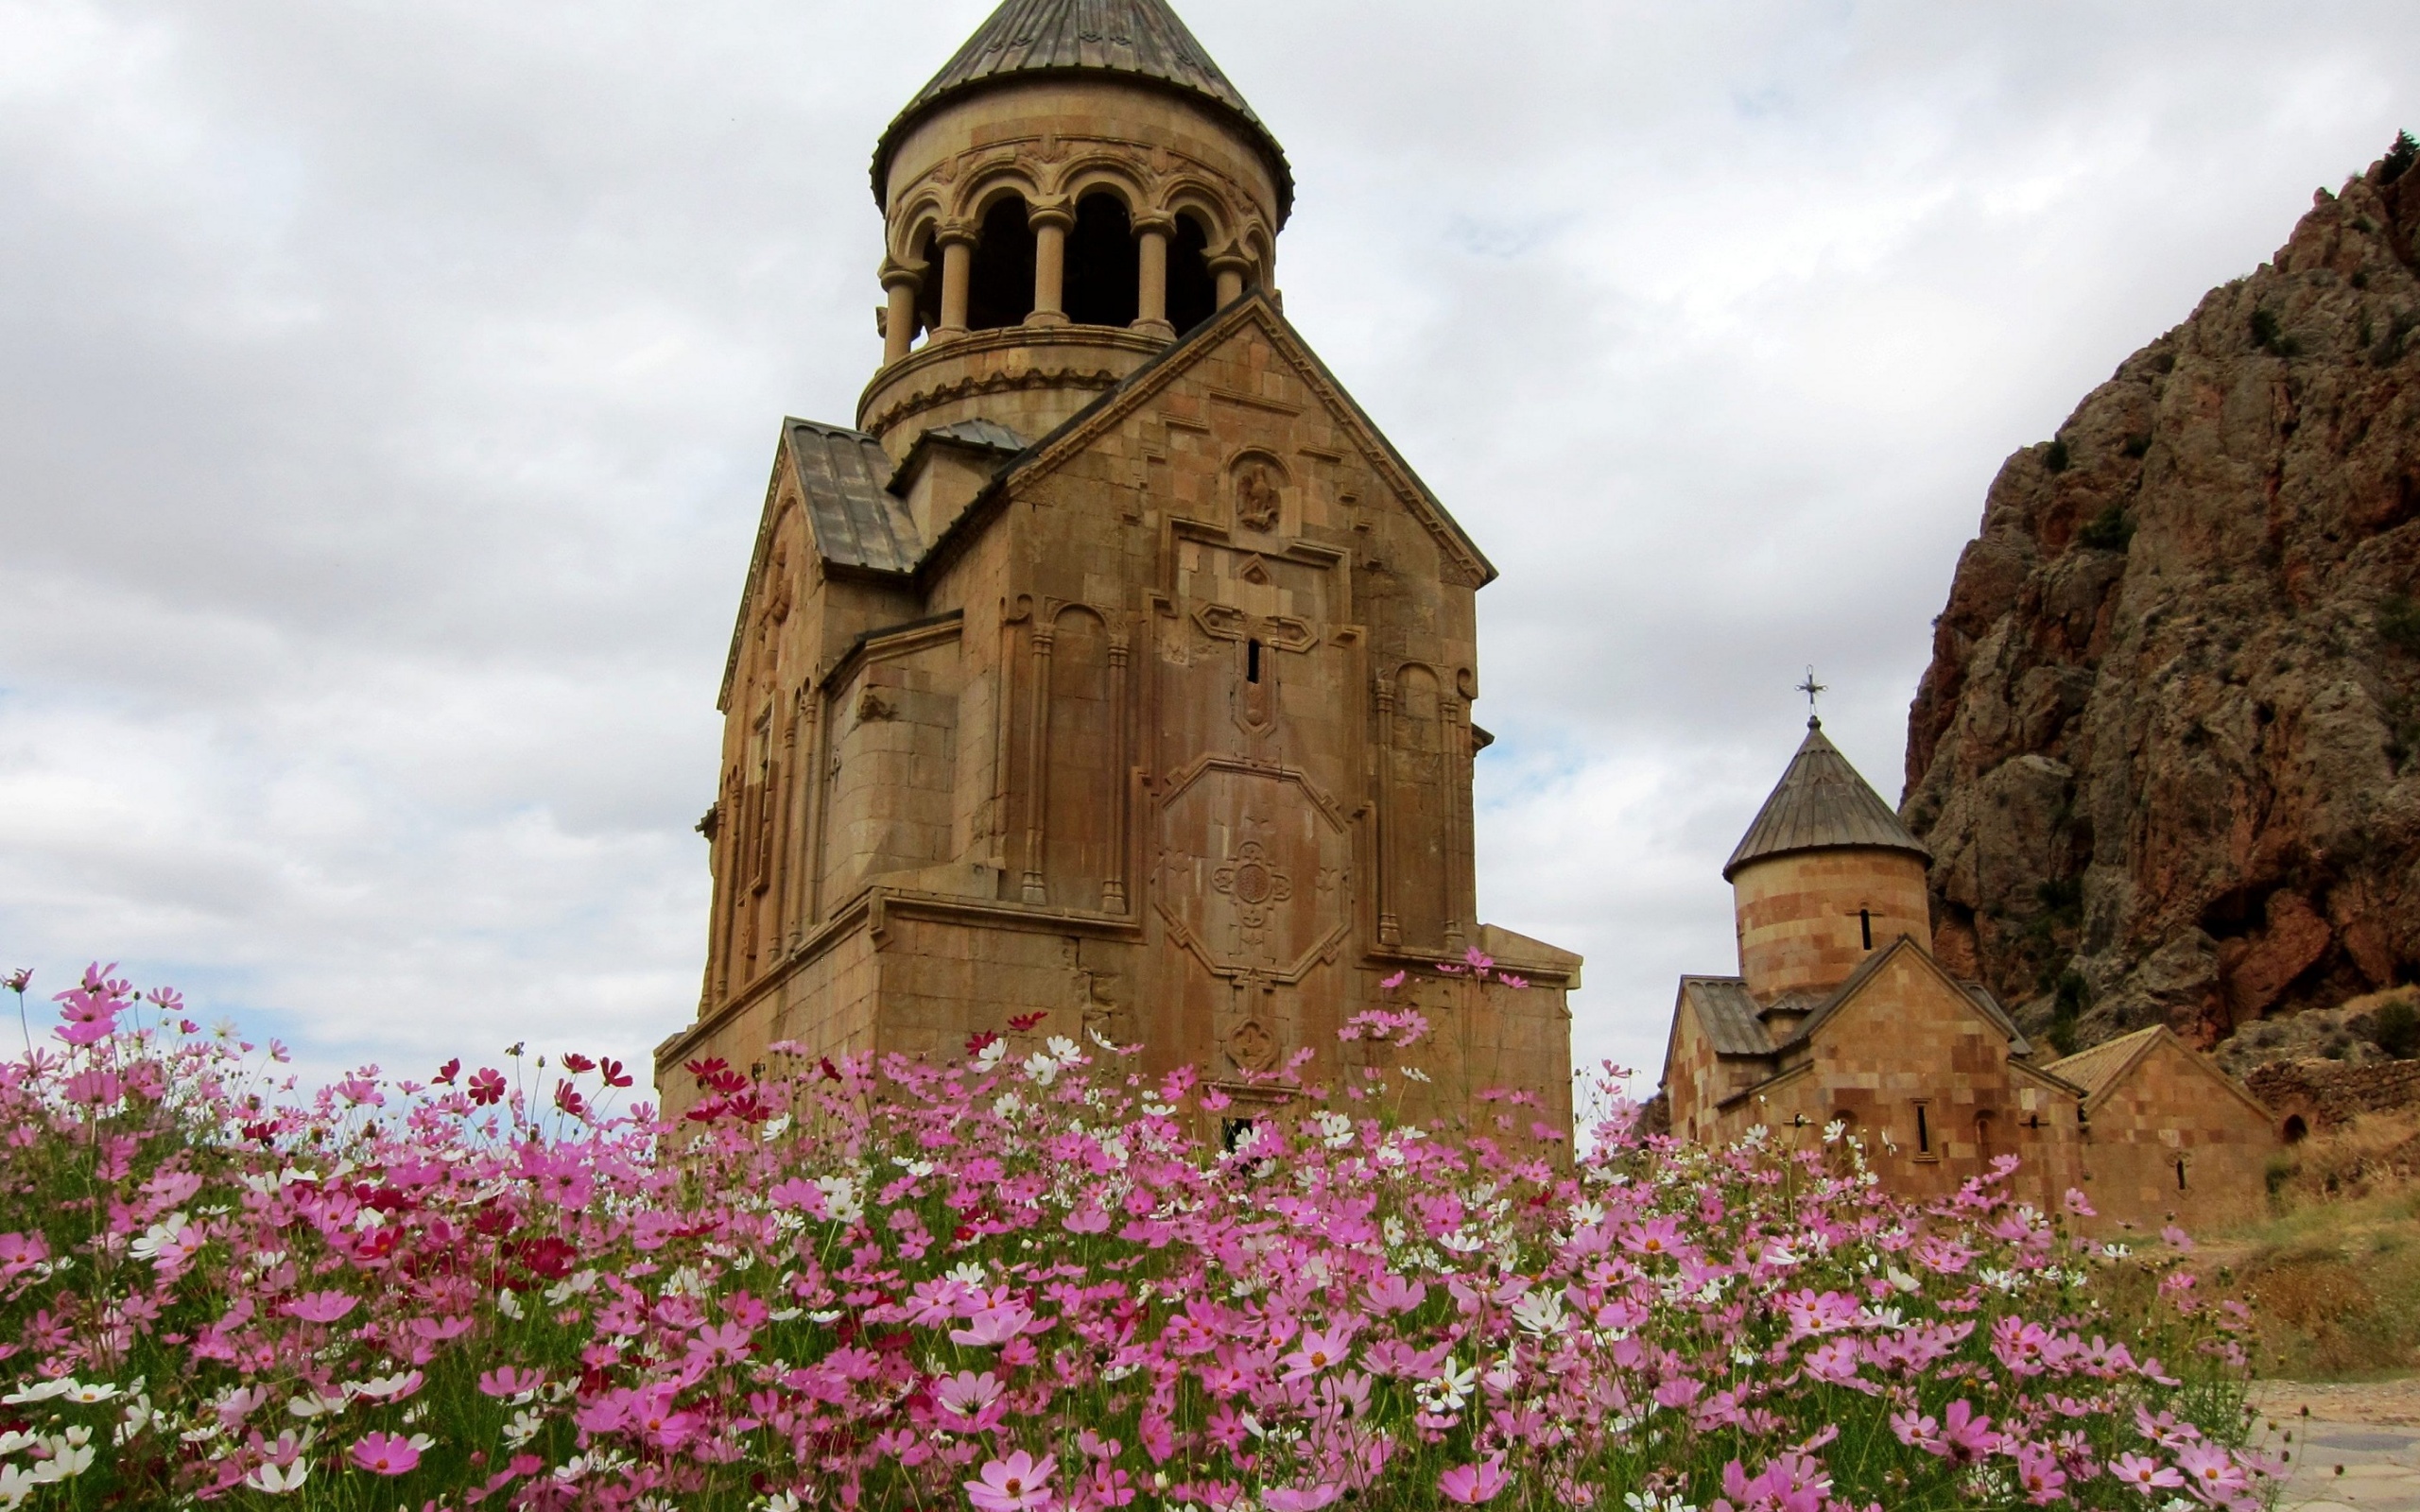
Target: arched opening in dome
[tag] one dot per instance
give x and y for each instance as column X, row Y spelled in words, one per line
column 1193, row 290
column 1000, row 292
column 928, row 287
column 1104, row 264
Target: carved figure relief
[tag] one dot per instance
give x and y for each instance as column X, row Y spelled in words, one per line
column 1260, row 499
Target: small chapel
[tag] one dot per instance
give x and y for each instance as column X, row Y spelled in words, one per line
column 1110, row 671
column 1841, row 1023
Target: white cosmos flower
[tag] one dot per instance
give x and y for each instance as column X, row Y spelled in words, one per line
column 277, row 1481
column 41, row 1391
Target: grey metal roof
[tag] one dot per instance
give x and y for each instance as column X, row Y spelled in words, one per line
column 1728, row 1014
column 1822, row 805
column 1142, row 39
column 978, row 433
column 854, row 518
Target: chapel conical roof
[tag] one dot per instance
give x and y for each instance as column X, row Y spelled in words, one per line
column 1142, row 39
column 1822, row 805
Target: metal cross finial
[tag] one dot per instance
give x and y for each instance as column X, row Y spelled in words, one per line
column 1813, row 689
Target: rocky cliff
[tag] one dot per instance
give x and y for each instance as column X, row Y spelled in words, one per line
column 2167, row 752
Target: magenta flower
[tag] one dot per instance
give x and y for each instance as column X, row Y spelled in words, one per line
column 390, row 1453
column 86, row 1018
column 321, row 1307
column 1017, row 1484
column 2040, row 1476
column 1306, row 1499
column 1471, row 1485
column 1965, row 1437
column 487, row 1087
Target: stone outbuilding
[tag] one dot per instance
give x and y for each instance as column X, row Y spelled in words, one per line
column 1111, row 671
column 1843, row 1019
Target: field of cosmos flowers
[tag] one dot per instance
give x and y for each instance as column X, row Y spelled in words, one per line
column 1033, row 1280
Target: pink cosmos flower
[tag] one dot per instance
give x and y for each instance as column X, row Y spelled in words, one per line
column 2039, row 1475
column 967, row 1393
column 994, row 1325
column 1306, row 1499
column 2145, row 1474
column 1965, row 1437
column 1017, row 1484
column 1471, row 1485
column 487, row 1087
column 1318, row 1352
column 321, row 1307
column 85, row 1018
column 2212, row 1472
column 1393, row 1294
column 510, row 1381
column 388, row 1453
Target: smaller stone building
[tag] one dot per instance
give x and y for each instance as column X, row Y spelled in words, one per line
column 1840, row 1014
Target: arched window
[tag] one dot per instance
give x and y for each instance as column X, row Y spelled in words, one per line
column 1000, row 292
column 1104, row 265
column 1985, row 1128
column 1865, row 925
column 928, row 288
column 2296, row 1129
column 1193, row 291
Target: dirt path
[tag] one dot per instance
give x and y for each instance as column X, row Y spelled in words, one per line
column 2358, row 1451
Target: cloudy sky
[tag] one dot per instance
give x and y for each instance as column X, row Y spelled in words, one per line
column 386, row 388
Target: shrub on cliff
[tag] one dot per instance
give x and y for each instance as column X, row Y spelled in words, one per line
column 1020, row 1283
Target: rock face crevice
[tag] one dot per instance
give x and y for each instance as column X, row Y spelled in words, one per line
column 2167, row 755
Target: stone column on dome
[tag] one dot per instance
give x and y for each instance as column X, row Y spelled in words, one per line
column 900, row 282
column 1230, row 269
column 1050, row 225
column 1155, row 233
column 957, row 275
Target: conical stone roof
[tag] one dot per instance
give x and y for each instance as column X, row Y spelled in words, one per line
column 1142, row 39
column 1822, row 805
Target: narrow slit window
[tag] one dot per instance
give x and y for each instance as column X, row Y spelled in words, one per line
column 1252, row 661
column 1865, row 926
column 1923, row 1129
column 2180, row 1176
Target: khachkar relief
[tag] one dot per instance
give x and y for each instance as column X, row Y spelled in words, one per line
column 1255, row 866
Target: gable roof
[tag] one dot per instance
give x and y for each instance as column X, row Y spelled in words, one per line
column 1727, row 1013
column 2101, row 1070
column 1822, row 805
column 1974, row 994
column 1142, row 40
column 1254, row 309
column 852, row 520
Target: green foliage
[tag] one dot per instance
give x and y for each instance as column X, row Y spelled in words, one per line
column 2057, row 457
column 2399, row 623
column 2390, row 347
column 2066, row 1012
column 2113, row 529
column 2268, row 336
column 2399, row 158
column 2396, row 1030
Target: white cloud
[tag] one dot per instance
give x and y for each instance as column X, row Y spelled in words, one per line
column 386, row 390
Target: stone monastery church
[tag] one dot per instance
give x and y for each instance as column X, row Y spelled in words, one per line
column 1112, row 666
column 1842, row 1016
